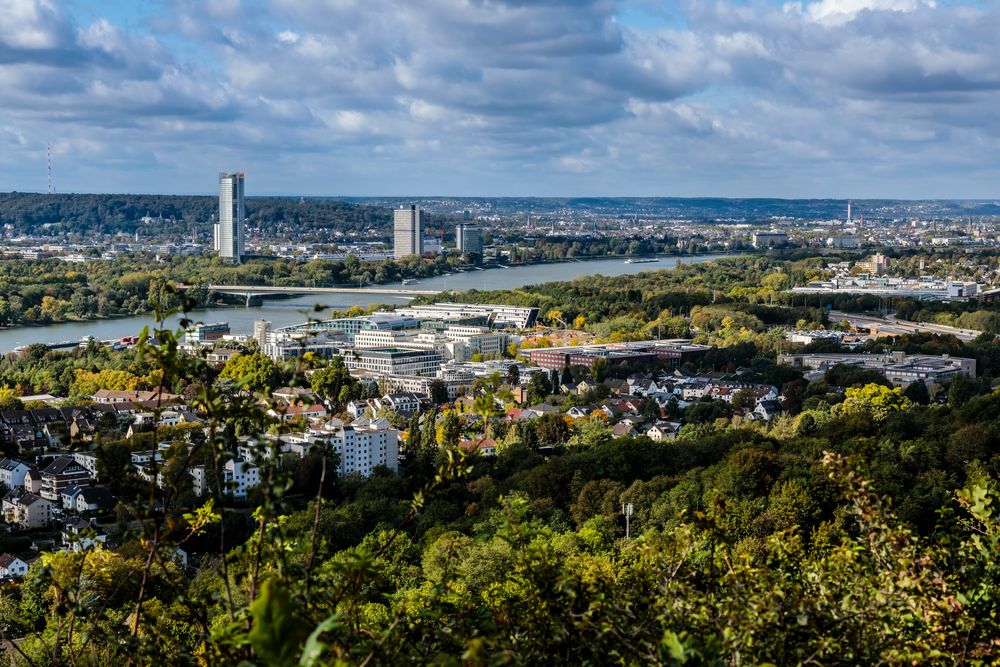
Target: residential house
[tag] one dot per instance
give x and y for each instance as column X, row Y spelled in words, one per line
column 165, row 418
column 298, row 412
column 52, row 425
column 623, row 430
column 403, row 404
column 484, row 446
column 294, row 395
column 357, row 409
column 80, row 535
column 17, row 429
column 132, row 396
column 62, row 473
column 94, row 499
column 12, row 567
column 13, row 472
column 663, row 431
column 27, row 510
column 767, row 410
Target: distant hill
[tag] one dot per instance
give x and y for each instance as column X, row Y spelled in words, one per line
column 89, row 214
column 702, row 208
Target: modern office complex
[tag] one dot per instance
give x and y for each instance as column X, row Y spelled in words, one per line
column 496, row 315
column 469, row 240
column 394, row 361
column 408, row 231
column 671, row 353
column 898, row 367
column 232, row 213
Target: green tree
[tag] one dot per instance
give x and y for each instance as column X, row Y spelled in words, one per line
column 331, row 382
column 256, row 372
column 873, row 401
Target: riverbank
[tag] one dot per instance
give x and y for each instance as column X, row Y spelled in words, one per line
column 297, row 309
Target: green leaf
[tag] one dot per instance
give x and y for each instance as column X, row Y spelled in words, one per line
column 276, row 633
column 315, row 647
column 673, row 644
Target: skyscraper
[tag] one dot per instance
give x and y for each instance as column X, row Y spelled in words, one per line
column 232, row 212
column 469, row 240
column 408, row 231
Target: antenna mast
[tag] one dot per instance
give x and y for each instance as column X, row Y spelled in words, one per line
column 48, row 161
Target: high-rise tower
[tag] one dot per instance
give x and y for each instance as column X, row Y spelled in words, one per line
column 232, row 213
column 469, row 240
column 408, row 231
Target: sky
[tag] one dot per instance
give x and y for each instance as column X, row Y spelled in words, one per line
column 726, row 98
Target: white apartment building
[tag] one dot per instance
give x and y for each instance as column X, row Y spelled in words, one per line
column 362, row 446
column 240, row 477
column 362, row 449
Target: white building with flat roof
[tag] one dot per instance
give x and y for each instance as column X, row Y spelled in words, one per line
column 407, row 231
column 229, row 234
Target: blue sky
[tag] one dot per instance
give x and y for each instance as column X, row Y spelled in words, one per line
column 743, row 98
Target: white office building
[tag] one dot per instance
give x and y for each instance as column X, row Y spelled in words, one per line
column 232, row 214
column 469, row 240
column 394, row 361
column 408, row 231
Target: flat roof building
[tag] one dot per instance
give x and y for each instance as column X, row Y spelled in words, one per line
column 898, row 367
column 407, row 231
column 232, row 216
column 497, row 315
column 394, row 361
column 643, row 353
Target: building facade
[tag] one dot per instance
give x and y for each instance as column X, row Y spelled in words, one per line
column 469, row 240
column 394, row 361
column 232, row 215
column 407, row 231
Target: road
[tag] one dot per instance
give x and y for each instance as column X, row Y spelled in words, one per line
column 891, row 325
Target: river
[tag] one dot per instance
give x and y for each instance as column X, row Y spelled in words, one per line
column 282, row 312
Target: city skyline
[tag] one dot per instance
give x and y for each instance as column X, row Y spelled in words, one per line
column 821, row 98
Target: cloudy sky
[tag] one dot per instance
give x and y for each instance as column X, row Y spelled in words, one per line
column 813, row 98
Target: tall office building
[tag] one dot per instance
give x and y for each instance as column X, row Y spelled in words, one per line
column 408, row 231
column 232, row 213
column 469, row 240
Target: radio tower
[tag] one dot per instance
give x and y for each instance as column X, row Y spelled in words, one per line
column 48, row 160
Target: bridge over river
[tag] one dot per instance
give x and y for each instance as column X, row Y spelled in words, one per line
column 258, row 291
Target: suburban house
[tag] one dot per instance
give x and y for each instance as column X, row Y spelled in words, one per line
column 289, row 413
column 13, row 472
column 485, row 446
column 12, row 567
column 131, row 396
column 767, row 410
column 80, row 535
column 663, row 431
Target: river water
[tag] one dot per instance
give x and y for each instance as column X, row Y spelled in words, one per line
column 283, row 312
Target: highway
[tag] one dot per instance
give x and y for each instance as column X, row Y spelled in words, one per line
column 890, row 325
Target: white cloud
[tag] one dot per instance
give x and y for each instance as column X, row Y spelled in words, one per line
column 836, row 12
